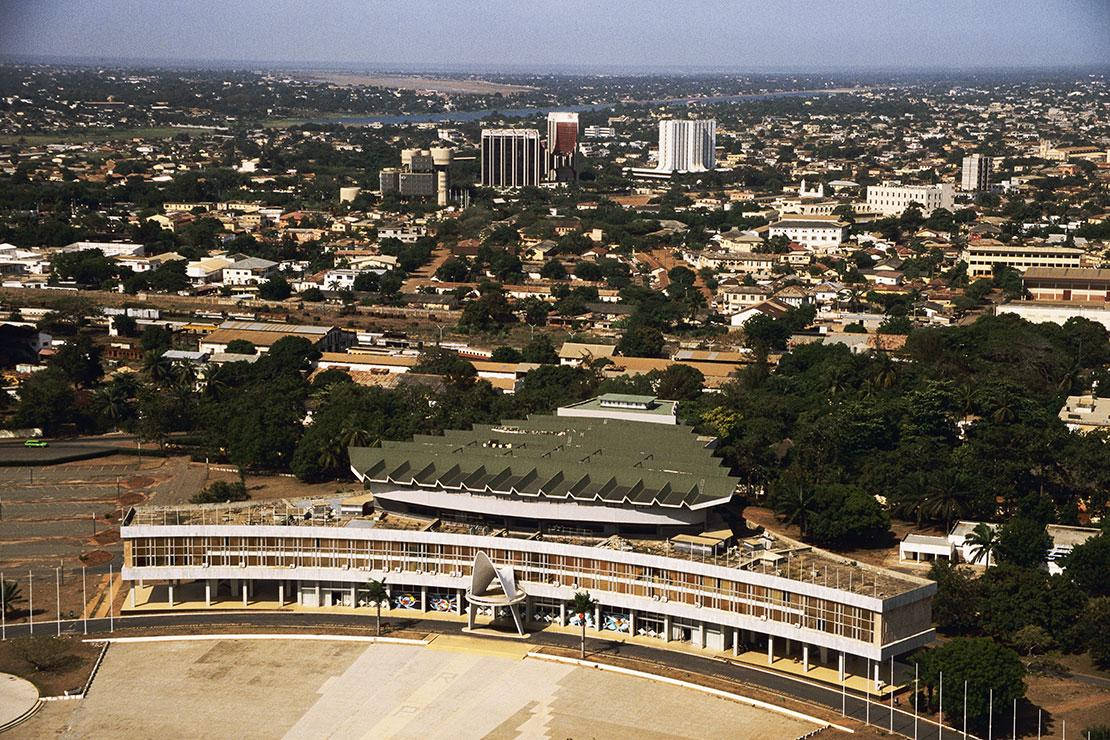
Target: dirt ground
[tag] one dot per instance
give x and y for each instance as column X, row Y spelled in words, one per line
column 72, row 675
column 1063, row 700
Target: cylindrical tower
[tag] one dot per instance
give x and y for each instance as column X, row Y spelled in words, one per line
column 441, row 163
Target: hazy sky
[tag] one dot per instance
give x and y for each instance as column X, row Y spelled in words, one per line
column 745, row 34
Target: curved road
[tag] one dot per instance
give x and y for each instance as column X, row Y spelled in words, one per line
column 853, row 705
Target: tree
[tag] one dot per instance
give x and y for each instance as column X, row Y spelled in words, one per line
column 540, row 350
column 982, row 543
column 553, row 270
column 847, row 517
column 454, row 270
column 221, row 492
column 641, row 341
column 368, row 281
column 80, row 361
column 446, row 362
column 125, row 325
column 680, row 383
column 489, row 312
column 984, row 664
column 1033, row 640
column 955, row 605
column 241, row 347
column 377, row 593
column 1088, row 565
column 1023, row 542
column 505, row 354
column 276, row 288
column 583, row 604
column 315, row 295
column 332, row 375
column 156, row 338
column 46, row 401
column 12, row 595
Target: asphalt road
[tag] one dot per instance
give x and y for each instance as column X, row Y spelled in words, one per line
column 853, row 705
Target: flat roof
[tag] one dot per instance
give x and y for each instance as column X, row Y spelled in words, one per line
column 570, row 459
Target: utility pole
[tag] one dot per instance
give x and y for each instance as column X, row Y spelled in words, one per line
column 84, row 602
column 58, row 597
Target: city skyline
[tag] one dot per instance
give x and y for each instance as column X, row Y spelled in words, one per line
column 745, row 36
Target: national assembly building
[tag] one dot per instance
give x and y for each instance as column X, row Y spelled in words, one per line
column 506, row 522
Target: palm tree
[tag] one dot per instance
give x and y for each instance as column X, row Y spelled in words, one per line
column 886, row 373
column 12, row 594
column 583, row 604
column 157, row 366
column 378, row 594
column 797, row 506
column 983, row 541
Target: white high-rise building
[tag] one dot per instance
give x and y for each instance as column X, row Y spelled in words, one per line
column 687, row 145
column 975, row 175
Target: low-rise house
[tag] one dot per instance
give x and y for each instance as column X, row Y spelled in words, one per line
column 731, row 299
column 576, row 353
column 249, row 271
column 1087, row 413
column 264, row 334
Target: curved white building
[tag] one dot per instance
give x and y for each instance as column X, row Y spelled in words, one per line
column 634, row 513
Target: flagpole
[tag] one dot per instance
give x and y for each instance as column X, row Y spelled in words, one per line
column 915, row 667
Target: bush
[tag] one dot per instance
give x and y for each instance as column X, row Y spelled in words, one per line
column 221, row 492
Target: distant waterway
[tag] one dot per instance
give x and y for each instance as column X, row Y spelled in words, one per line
column 475, row 115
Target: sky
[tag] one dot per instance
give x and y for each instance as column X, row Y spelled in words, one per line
column 757, row 35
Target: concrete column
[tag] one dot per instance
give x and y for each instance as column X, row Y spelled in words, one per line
column 770, row 650
column 140, row 583
column 423, row 598
column 459, row 606
column 562, row 614
column 666, row 628
column 281, row 593
column 354, row 596
column 246, row 592
column 170, row 587
column 597, row 617
column 737, row 638
column 805, row 658
column 470, row 610
column 132, row 597
column 319, row 601
column 824, row 654
column 877, row 675
column 234, row 587
column 841, row 668
column 249, row 586
column 631, row 622
column 788, row 646
column 208, row 592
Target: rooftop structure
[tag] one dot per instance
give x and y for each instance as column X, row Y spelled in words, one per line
column 600, row 471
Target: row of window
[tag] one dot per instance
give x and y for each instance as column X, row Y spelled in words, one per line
column 591, row 574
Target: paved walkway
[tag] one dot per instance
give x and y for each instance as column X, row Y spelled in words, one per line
column 17, row 697
column 842, row 701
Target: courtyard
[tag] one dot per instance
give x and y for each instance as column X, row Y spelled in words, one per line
column 456, row 688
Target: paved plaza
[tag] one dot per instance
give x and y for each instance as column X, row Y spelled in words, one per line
column 461, row 688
